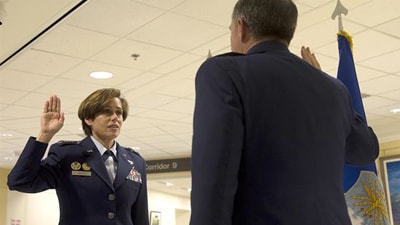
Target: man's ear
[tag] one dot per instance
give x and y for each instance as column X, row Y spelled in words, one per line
column 243, row 31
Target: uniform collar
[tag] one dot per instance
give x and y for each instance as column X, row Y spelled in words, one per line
column 102, row 149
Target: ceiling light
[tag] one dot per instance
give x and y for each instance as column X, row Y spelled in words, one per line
column 395, row 110
column 6, row 157
column 101, row 75
column 168, row 184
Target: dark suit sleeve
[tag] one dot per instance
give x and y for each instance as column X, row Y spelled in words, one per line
column 217, row 145
column 362, row 144
column 30, row 174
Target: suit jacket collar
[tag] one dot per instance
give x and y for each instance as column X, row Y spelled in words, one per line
column 267, row 46
column 95, row 160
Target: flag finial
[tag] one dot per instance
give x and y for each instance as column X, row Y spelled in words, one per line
column 339, row 10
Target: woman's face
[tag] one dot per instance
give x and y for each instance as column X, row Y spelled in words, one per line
column 106, row 126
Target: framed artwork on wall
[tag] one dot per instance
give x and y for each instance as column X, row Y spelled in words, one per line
column 390, row 172
column 155, row 218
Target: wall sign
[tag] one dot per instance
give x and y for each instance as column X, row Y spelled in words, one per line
column 168, row 165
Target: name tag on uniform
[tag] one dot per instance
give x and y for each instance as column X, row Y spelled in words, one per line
column 82, row 173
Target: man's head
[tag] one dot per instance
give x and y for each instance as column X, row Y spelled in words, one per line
column 258, row 20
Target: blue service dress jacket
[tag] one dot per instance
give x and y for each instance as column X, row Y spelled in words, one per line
column 86, row 195
column 271, row 136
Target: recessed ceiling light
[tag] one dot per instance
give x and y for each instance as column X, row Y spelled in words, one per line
column 168, row 184
column 395, row 110
column 6, row 157
column 101, row 75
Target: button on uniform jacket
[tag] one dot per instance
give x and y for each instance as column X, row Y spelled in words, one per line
column 77, row 172
column 271, row 135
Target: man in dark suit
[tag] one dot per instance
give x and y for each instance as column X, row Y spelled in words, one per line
column 87, row 193
column 271, row 132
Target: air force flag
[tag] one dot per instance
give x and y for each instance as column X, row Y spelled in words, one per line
column 363, row 190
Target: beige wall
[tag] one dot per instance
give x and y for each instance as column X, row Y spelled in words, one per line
column 386, row 150
column 389, row 149
column 3, row 194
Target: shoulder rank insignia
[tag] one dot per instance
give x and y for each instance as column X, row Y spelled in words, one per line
column 133, row 151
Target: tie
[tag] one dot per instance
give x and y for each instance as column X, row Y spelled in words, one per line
column 111, row 166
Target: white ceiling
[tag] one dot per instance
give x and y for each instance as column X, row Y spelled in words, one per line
column 49, row 47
